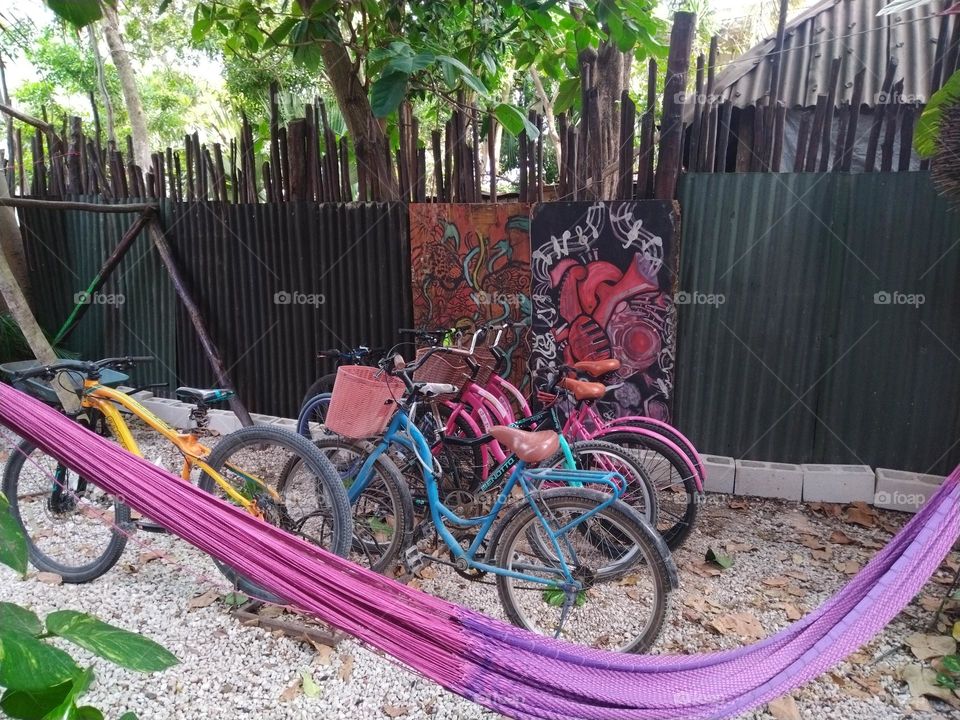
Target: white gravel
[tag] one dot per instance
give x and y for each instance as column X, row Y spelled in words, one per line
column 230, row 671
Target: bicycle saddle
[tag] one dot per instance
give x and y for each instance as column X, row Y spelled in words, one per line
column 202, row 396
column 584, row 390
column 597, row 368
column 531, row 447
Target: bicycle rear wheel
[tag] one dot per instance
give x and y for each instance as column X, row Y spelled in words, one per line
column 313, row 414
column 315, row 505
column 620, row 601
column 671, row 476
column 383, row 515
column 72, row 527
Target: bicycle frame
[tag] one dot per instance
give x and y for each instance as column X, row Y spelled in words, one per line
column 402, row 431
column 105, row 400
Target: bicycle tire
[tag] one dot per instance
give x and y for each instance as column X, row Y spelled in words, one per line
column 656, row 457
column 313, row 411
column 40, row 559
column 652, row 557
column 401, row 502
column 317, row 464
column 320, row 386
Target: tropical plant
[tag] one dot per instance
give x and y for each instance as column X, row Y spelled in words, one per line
column 39, row 680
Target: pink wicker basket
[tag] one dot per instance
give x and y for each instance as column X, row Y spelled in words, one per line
column 363, row 401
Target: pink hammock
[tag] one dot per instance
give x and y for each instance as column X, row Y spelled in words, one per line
column 494, row 664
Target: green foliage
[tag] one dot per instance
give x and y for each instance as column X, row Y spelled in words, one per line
column 928, row 126
column 78, row 13
column 42, row 682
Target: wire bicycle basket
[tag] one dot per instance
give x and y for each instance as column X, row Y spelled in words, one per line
column 363, row 401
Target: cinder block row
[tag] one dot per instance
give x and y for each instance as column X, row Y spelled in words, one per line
column 888, row 489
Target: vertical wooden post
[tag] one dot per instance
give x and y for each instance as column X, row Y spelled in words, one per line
column 810, row 162
column 671, row 136
column 828, row 115
column 723, row 134
column 628, row 113
column 437, row 166
column 878, row 115
column 846, row 161
column 492, row 158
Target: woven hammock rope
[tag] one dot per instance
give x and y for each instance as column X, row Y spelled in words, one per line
column 497, row 665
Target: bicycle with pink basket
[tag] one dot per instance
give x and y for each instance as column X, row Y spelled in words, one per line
column 485, row 399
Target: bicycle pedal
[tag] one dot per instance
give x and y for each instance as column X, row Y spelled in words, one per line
column 148, row 526
column 414, row 561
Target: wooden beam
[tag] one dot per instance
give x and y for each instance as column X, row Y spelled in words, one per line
column 671, row 135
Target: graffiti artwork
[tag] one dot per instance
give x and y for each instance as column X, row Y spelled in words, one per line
column 471, row 265
column 602, row 279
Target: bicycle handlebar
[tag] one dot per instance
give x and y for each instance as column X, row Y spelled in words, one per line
column 90, row 368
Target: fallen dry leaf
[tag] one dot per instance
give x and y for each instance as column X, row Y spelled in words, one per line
column 825, row 554
column 291, row 692
column 811, row 542
column 738, row 504
column 861, row 514
column 428, row 573
column 745, row 625
column 324, row 654
column 850, row 567
column 928, row 646
column 923, row 681
column 792, row 611
column 839, row 537
column 346, row 668
column 776, row 581
column 205, row 600
column 634, row 594
column 784, row 708
column 149, row 556
column 395, row 710
column 49, row 578
column 705, row 569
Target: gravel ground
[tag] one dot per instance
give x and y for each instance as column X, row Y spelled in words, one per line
column 787, row 559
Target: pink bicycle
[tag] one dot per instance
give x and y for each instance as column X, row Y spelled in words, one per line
column 485, row 400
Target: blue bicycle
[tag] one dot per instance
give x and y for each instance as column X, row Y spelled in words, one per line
column 571, row 559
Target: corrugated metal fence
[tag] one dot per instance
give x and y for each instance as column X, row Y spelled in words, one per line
column 275, row 283
column 818, row 319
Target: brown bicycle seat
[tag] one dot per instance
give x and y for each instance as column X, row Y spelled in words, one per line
column 584, row 390
column 597, row 368
column 531, row 447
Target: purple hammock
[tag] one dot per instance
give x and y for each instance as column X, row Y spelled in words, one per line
column 497, row 665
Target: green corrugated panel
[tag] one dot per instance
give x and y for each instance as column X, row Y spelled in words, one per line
column 799, row 363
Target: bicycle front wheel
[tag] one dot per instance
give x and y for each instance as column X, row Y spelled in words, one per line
column 314, row 505
column 72, row 527
column 617, row 603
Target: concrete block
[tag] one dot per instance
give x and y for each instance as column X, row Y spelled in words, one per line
column 173, row 412
column 223, row 421
column 769, row 479
column 838, row 483
column 904, row 491
column 286, row 423
column 720, row 472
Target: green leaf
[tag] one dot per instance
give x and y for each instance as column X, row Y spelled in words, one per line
column 19, row 618
column 28, row 664
column 310, row 687
column 387, row 92
column 567, row 95
column 13, row 543
column 719, row 559
column 554, row 597
column 951, row 663
column 33, row 704
column 87, row 712
column 200, row 29
column 163, row 6
column 67, row 709
column 235, row 599
column 125, row 648
column 409, row 64
column 944, row 680
column 469, row 79
column 928, row 126
column 280, row 33
column 78, row 13
column 128, row 716
column 514, row 120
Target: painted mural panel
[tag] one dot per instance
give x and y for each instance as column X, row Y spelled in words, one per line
column 603, row 277
column 471, row 264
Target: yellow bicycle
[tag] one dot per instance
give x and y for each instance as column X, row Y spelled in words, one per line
column 77, row 531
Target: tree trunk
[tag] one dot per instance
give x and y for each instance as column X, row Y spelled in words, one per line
column 128, row 84
column 11, row 242
column 371, row 145
column 612, row 66
column 102, row 84
column 548, row 116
